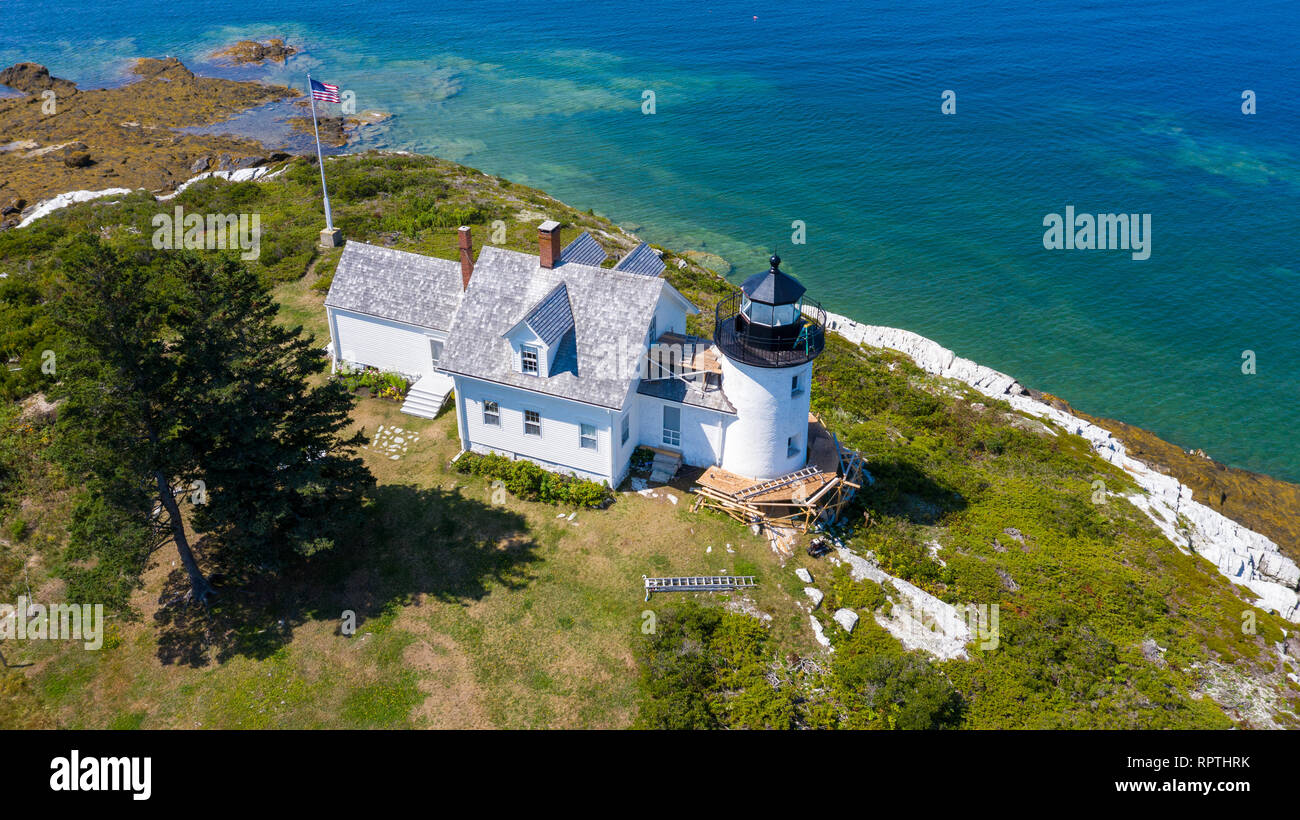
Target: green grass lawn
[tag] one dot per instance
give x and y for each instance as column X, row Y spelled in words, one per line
column 471, row 613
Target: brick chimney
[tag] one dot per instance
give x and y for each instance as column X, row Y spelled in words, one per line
column 466, row 243
column 548, row 242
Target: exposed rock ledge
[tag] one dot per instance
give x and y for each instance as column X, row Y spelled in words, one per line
column 48, row 206
column 1243, row 555
column 918, row 619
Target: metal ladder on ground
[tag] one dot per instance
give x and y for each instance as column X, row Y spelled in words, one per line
column 777, row 483
column 698, row 583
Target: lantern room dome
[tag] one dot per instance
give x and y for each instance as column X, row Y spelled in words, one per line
column 775, row 287
column 770, row 323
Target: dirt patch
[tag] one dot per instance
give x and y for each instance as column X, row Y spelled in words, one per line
column 446, row 678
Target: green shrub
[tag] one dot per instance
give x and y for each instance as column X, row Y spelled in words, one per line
column 532, row 483
column 381, row 384
column 704, row 668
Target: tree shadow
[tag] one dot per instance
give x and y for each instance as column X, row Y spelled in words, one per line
column 903, row 490
column 415, row 542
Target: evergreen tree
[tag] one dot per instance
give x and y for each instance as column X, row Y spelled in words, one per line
column 179, row 382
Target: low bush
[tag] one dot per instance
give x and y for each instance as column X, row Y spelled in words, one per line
column 532, row 483
column 381, row 384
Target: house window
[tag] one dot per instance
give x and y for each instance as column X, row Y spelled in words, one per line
column 673, row 426
column 491, row 413
column 587, row 437
column 435, row 351
column 627, row 428
column 794, row 386
column 653, row 334
column 532, row 423
column 528, row 359
column 792, row 447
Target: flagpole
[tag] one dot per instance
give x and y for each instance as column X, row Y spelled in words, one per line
column 329, row 220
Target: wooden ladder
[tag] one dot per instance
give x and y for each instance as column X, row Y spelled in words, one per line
column 777, row 483
column 698, row 583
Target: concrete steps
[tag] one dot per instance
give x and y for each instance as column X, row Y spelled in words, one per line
column 426, row 396
column 664, row 466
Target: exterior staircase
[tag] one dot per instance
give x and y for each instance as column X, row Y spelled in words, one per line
column 665, row 466
column 426, row 396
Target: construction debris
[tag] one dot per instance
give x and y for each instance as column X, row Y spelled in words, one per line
column 813, row 495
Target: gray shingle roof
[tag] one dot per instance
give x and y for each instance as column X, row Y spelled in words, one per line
column 611, row 311
column 553, row 316
column 584, row 250
column 399, row 285
column 680, row 392
column 641, row 260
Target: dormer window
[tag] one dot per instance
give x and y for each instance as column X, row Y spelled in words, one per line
column 528, row 360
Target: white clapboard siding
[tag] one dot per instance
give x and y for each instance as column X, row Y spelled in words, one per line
column 557, row 448
column 366, row 340
column 702, row 431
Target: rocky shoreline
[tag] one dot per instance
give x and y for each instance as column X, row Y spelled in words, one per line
column 63, row 144
column 1246, row 557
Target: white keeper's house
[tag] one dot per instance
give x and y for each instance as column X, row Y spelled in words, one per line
column 557, row 359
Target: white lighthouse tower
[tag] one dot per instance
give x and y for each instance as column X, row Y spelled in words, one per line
column 768, row 345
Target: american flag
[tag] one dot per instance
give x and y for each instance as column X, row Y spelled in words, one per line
column 324, row 92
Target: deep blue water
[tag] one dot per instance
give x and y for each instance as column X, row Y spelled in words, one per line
column 830, row 114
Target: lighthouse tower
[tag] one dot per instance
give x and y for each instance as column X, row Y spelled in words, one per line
column 769, row 335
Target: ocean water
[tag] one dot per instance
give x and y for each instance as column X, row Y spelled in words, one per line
column 829, row 113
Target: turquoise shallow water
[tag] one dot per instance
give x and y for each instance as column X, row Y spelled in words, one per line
column 831, row 115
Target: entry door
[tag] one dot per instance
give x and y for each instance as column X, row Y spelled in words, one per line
column 672, row 426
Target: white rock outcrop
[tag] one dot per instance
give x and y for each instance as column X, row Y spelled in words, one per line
column 815, row 596
column 846, row 618
column 819, row 634
column 48, row 206
column 261, row 172
column 1243, row 555
column 917, row 619
column 803, row 575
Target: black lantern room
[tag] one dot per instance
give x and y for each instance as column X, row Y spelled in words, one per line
column 770, row 323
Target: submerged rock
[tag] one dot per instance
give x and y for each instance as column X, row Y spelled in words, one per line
column 251, row 51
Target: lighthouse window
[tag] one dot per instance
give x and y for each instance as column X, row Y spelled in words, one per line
column 784, row 315
column 794, row 386
column 760, row 313
column 792, row 446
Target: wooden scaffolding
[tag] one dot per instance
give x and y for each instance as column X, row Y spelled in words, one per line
column 800, row 500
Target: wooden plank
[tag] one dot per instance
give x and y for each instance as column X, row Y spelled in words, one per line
column 833, row 482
